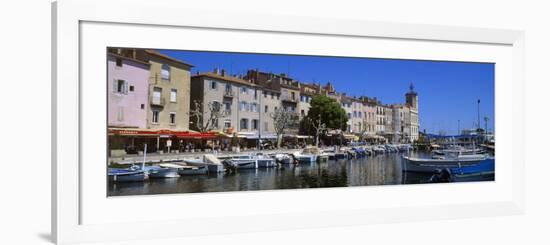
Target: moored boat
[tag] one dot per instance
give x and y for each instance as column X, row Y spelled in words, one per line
column 159, row 172
column 131, row 174
column 415, row 164
column 307, row 155
column 193, row 170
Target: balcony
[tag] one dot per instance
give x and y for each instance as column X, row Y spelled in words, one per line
column 289, row 99
column 155, row 101
column 228, row 93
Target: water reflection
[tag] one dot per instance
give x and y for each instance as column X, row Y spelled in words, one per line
column 376, row 170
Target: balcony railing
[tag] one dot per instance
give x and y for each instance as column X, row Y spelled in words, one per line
column 156, row 101
column 228, row 93
column 289, row 99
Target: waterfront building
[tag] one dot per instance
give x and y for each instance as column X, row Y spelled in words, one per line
column 128, row 85
column 369, row 106
column 159, row 88
column 169, row 90
column 358, row 116
column 307, row 92
column 284, row 92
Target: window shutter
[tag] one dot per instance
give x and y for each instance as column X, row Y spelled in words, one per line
column 115, row 81
column 125, row 87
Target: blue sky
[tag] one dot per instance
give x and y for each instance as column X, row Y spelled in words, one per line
column 447, row 91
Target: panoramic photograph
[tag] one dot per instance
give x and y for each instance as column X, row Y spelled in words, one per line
column 184, row 121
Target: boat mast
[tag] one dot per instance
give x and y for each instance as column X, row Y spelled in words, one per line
column 144, row 156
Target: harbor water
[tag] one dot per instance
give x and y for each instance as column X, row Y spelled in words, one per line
column 384, row 169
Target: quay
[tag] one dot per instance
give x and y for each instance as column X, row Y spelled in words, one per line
column 154, row 158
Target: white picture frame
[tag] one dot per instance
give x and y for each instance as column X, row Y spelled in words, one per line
column 69, row 197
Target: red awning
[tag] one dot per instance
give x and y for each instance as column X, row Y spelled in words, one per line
column 196, row 135
column 163, row 132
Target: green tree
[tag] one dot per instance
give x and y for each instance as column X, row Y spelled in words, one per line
column 324, row 111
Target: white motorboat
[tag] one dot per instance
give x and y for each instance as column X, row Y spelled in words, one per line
column 241, row 162
column 307, row 155
column 212, row 162
column 415, row 164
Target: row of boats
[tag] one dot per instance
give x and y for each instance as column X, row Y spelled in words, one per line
column 209, row 163
column 453, row 161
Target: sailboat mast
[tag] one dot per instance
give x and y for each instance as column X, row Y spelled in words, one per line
column 144, row 156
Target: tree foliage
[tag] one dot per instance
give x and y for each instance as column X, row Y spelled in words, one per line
column 324, row 111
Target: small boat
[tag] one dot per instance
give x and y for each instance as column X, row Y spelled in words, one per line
column 329, row 153
column 241, row 162
column 131, row 174
column 307, row 154
column 212, row 162
column 264, row 161
column 414, row 164
column 283, row 158
column 160, row 172
column 360, row 151
column 193, row 170
column 379, row 149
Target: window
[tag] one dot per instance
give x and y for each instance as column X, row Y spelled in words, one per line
column 254, row 107
column 172, row 118
column 120, row 86
column 157, row 92
column 244, row 90
column 227, row 87
column 173, row 95
column 244, row 123
column 265, row 110
column 227, row 107
column 165, row 72
column 272, row 95
column 216, row 106
column 292, row 95
column 303, row 113
column 120, row 114
column 243, row 106
column 142, row 106
column 155, row 118
column 119, row 62
column 227, row 123
column 213, row 85
column 131, row 88
column 255, row 124
column 265, row 94
column 255, row 94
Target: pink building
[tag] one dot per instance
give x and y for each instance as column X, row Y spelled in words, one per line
column 128, row 86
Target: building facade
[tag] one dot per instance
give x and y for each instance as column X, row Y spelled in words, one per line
column 128, row 85
column 169, row 90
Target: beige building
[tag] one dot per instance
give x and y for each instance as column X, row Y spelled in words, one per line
column 247, row 106
column 169, row 88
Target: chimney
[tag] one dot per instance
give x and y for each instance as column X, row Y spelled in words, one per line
column 216, row 71
column 223, row 72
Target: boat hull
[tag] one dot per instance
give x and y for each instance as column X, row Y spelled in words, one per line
column 431, row 165
column 266, row 163
column 193, row 171
column 163, row 173
column 133, row 177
